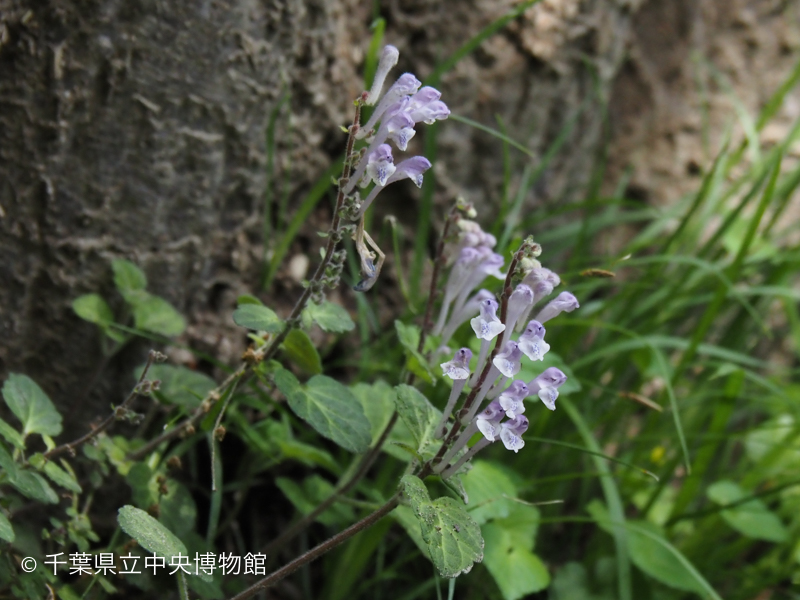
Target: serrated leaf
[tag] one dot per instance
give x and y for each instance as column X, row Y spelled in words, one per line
column 11, row 435
column 489, row 490
column 409, row 335
column 420, row 416
column 150, row 534
column 258, row 318
column 329, row 316
column 127, row 277
column 93, row 308
column 329, row 407
column 179, row 385
column 752, row 518
column 301, row 351
column 6, row 530
column 153, row 313
column 31, row 406
column 452, row 537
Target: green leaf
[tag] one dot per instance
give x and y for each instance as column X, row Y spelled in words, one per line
column 651, row 552
column 152, row 313
column 177, row 509
column 516, row 570
column 11, row 435
column 301, row 351
column 259, row 318
column 409, row 335
column 752, row 518
column 487, row 487
column 329, row 407
column 127, row 276
column 31, row 406
column 248, row 299
column 452, row 537
column 179, row 385
column 150, row 534
column 6, row 530
column 329, row 316
column 61, row 477
column 378, row 401
column 405, row 516
column 420, row 416
column 310, row 494
column 34, row 486
column 93, row 308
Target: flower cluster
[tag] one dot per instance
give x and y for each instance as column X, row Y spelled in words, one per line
column 473, row 260
column 403, row 105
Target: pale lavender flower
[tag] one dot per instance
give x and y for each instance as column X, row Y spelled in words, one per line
column 512, row 398
column 406, row 84
column 412, row 168
column 486, row 325
column 387, row 60
column 459, row 273
column 519, row 303
column 508, row 362
column 564, row 302
column 546, row 386
column 380, row 166
column 460, row 317
column 458, row 368
column 430, row 113
column 488, row 421
column 511, row 433
column 489, row 265
column 532, row 343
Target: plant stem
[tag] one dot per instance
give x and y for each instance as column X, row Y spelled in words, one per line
column 319, row 550
column 109, row 420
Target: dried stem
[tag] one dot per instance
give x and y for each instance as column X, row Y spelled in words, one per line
column 110, row 419
column 319, row 550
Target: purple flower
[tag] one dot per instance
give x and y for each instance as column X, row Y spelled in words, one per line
column 508, row 361
column 512, row 398
column 486, row 325
column 380, row 165
column 546, row 386
column 488, row 421
column 458, row 368
column 511, row 433
column 564, row 302
column 413, row 168
column 532, row 343
column 430, row 113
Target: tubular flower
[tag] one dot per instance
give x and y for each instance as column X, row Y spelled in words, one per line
column 511, row 433
column 531, row 341
column 512, row 398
